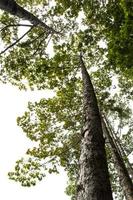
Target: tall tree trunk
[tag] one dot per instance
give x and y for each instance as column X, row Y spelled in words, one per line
column 125, row 180
column 118, row 145
column 13, row 8
column 93, row 183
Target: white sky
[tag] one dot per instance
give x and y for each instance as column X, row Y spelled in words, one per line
column 13, row 145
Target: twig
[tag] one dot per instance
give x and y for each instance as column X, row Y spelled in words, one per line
column 40, row 44
column 49, row 39
column 34, row 40
column 14, row 43
column 14, row 25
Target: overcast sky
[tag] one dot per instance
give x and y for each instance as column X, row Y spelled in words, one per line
column 13, row 145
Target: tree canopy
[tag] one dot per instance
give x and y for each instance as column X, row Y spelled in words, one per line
column 32, row 57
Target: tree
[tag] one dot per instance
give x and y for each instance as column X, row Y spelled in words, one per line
column 13, row 8
column 124, row 177
column 93, row 165
column 28, row 60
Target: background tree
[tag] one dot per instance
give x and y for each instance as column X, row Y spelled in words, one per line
column 10, row 6
column 125, row 180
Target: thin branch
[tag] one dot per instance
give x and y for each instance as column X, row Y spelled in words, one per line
column 37, row 48
column 36, row 38
column 15, row 25
column 49, row 39
column 42, row 51
column 40, row 44
column 14, row 43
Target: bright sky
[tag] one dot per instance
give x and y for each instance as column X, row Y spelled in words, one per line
column 13, row 145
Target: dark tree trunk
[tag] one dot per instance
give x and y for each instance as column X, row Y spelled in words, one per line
column 13, row 8
column 125, row 180
column 93, row 183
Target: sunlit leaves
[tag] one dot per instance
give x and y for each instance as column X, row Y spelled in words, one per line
column 70, row 8
column 8, row 33
column 27, row 172
column 33, row 2
column 56, row 129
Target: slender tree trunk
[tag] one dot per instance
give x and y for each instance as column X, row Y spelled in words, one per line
column 118, row 145
column 13, row 8
column 93, row 183
column 124, row 155
column 125, row 180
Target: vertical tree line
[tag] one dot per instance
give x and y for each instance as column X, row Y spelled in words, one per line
column 93, row 164
column 124, row 178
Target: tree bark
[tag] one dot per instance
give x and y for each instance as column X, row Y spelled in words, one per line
column 13, row 8
column 118, row 145
column 93, row 183
column 125, row 180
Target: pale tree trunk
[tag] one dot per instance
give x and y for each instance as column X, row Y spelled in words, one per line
column 13, row 8
column 125, row 180
column 93, row 183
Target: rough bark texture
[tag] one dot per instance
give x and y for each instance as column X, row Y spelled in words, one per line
column 125, row 180
column 13, row 8
column 93, row 183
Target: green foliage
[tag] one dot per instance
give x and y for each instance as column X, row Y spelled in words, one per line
column 27, row 172
column 56, row 129
column 7, row 33
column 120, row 34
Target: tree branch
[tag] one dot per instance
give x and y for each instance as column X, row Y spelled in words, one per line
column 13, row 8
column 14, row 25
column 14, row 43
column 40, row 44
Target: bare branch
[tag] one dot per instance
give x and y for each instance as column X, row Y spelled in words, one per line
column 14, row 25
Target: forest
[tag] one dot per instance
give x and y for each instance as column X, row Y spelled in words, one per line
column 83, row 51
